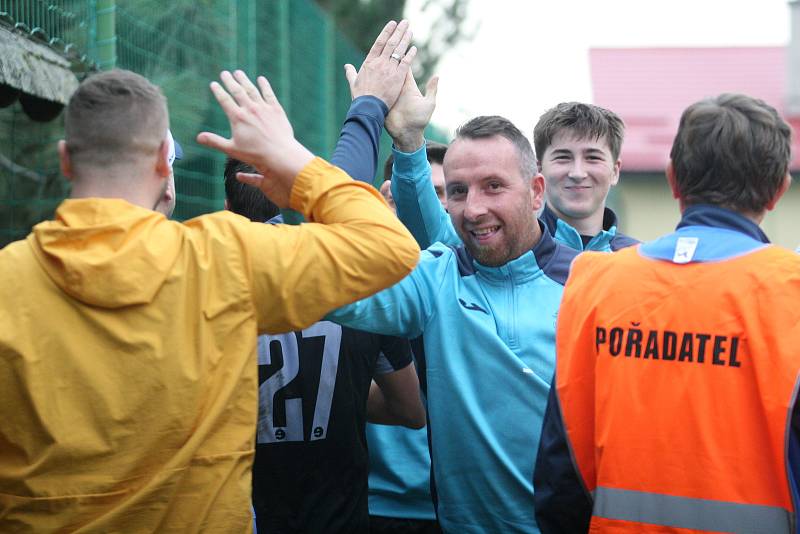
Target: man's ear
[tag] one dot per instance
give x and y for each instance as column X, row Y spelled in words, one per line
column 787, row 181
column 64, row 160
column 163, row 168
column 672, row 181
column 537, row 191
column 617, row 167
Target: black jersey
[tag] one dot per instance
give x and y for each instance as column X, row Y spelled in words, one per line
column 311, row 464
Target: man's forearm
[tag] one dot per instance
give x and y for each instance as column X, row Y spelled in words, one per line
column 417, row 204
column 301, row 273
column 394, row 399
column 357, row 150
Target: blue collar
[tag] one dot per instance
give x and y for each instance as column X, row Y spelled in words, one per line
column 716, row 217
column 551, row 219
column 566, row 234
column 546, row 257
column 707, row 233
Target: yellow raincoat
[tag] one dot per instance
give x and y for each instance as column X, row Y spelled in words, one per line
column 128, row 378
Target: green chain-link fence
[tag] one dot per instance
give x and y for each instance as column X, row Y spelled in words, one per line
column 181, row 45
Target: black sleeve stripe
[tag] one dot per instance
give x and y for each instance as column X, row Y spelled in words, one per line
column 396, row 351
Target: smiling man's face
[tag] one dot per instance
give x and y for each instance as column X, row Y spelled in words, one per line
column 491, row 203
column 579, row 173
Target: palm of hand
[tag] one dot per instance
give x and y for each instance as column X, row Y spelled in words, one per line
column 265, row 136
column 412, row 111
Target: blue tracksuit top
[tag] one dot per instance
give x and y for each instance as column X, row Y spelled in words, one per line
column 399, row 472
column 422, row 213
column 608, row 240
column 489, row 353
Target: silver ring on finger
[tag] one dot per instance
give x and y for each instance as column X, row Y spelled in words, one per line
column 396, row 56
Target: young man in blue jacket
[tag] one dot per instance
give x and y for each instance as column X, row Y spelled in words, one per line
column 578, row 147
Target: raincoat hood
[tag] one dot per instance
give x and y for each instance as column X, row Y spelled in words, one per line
column 107, row 252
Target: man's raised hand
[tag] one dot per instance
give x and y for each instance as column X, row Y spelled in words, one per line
column 260, row 135
column 412, row 112
column 384, row 70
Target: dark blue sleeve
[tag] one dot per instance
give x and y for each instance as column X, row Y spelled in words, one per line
column 356, row 151
column 793, row 452
column 559, row 496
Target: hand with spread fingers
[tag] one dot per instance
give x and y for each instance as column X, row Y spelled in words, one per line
column 412, row 112
column 384, row 70
column 260, row 135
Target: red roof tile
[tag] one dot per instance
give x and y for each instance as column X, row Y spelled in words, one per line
column 650, row 87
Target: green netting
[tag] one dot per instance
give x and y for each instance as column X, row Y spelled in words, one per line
column 30, row 183
column 61, row 22
column 182, row 51
column 181, row 45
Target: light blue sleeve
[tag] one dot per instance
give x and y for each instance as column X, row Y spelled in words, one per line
column 418, row 207
column 404, row 309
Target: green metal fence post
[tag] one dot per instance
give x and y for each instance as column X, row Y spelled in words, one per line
column 103, row 33
column 284, row 85
column 246, row 36
column 326, row 89
column 294, row 42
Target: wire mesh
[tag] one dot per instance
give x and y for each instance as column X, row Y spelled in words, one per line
column 180, row 45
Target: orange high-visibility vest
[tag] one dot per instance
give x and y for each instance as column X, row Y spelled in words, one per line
column 676, row 386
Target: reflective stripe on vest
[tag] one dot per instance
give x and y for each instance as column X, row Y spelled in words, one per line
column 684, row 512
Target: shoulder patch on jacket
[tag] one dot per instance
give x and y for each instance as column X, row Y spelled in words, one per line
column 463, row 260
column 557, row 267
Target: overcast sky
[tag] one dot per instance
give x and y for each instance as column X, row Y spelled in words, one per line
column 529, row 55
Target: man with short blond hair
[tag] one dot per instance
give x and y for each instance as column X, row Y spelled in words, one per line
column 128, row 369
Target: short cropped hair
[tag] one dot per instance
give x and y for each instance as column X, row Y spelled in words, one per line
column 243, row 199
column 114, row 117
column 585, row 121
column 491, row 125
column 434, row 151
column 732, row 151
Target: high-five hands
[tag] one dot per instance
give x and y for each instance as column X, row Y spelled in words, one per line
column 260, row 135
column 384, row 70
column 412, row 112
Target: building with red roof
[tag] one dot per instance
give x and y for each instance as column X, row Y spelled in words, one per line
column 650, row 87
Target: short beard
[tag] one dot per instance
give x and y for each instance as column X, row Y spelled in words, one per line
column 491, row 257
column 515, row 247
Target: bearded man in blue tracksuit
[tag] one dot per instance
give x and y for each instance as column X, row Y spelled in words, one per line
column 487, row 312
